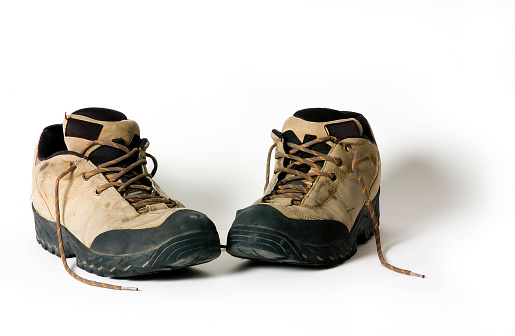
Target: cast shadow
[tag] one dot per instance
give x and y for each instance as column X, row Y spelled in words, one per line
column 188, row 273
column 417, row 193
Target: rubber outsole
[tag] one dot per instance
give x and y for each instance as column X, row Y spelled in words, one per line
column 271, row 245
column 178, row 252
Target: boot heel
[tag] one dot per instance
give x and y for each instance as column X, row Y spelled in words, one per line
column 366, row 229
column 46, row 236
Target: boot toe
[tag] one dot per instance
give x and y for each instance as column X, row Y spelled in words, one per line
column 185, row 238
column 261, row 232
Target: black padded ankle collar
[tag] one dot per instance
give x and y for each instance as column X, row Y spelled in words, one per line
column 101, row 114
column 323, row 114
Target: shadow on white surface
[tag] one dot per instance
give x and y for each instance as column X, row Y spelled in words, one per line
column 419, row 193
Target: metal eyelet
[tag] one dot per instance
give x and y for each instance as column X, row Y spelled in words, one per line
column 348, row 147
column 333, row 177
column 84, row 177
column 339, row 162
column 97, row 193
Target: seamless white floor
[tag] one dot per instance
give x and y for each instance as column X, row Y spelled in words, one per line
column 207, row 81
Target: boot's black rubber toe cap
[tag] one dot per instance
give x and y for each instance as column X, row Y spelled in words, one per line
column 181, row 224
column 317, row 232
column 261, row 232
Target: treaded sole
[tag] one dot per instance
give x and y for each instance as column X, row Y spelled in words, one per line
column 178, row 252
column 269, row 245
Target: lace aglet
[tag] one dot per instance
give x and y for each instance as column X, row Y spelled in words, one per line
column 134, row 289
column 417, row 275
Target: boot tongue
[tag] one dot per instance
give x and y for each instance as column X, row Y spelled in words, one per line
column 320, row 122
column 309, row 124
column 90, row 124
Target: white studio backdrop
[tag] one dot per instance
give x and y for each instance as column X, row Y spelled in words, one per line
column 207, row 81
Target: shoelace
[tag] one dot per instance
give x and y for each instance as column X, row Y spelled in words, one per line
column 139, row 201
column 297, row 192
column 375, row 221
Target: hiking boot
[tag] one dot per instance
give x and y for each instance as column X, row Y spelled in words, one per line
column 94, row 199
column 323, row 197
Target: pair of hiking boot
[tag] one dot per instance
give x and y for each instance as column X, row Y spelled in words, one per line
column 94, row 199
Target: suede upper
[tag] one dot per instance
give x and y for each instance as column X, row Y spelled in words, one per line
column 327, row 198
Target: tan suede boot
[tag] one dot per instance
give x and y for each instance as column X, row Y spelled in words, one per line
column 323, row 197
column 94, row 199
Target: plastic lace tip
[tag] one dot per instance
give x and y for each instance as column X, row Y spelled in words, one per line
column 418, row 275
column 134, row 289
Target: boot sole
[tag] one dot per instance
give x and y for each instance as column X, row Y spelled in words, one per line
column 178, row 252
column 269, row 245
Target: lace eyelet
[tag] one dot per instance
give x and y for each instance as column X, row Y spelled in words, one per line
column 333, row 177
column 84, row 177
column 348, row 147
column 97, row 193
column 339, row 162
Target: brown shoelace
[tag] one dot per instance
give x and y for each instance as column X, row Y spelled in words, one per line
column 297, row 192
column 138, row 201
column 375, row 221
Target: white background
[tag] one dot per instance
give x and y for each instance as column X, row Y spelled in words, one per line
column 207, row 81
